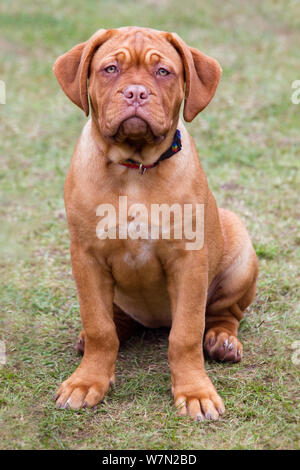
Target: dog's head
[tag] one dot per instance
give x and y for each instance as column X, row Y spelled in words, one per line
column 136, row 79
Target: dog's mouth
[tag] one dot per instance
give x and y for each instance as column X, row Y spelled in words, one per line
column 135, row 130
column 138, row 126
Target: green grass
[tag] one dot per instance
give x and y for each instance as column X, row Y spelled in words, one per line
column 248, row 141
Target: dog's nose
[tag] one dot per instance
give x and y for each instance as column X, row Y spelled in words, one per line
column 136, row 94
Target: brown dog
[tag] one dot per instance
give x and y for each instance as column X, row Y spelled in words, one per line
column 134, row 79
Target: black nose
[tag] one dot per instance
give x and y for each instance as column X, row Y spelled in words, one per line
column 136, row 94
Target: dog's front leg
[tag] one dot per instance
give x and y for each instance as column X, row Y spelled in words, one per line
column 91, row 380
column 194, row 393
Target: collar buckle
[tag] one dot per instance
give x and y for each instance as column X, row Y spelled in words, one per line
column 142, row 169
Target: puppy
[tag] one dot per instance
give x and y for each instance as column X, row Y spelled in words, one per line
column 136, row 152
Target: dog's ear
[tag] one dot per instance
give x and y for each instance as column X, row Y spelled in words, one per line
column 202, row 75
column 72, row 68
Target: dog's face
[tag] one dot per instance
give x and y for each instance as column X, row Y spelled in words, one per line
column 136, row 86
column 135, row 78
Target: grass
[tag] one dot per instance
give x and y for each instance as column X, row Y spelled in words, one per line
column 248, row 141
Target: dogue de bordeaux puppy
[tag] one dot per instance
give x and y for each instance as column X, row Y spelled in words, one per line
column 133, row 80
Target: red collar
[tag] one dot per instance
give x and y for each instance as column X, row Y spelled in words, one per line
column 175, row 147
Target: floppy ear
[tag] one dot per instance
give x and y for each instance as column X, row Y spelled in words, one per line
column 72, row 68
column 202, row 75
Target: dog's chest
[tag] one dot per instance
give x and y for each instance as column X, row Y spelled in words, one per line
column 129, row 237
column 140, row 285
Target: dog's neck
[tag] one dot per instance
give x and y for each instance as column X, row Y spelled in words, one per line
column 117, row 152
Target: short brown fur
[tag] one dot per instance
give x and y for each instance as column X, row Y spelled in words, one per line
column 200, row 294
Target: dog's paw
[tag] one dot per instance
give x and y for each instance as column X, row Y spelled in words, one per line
column 200, row 402
column 80, row 392
column 220, row 346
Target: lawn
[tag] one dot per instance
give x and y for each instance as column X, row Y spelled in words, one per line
column 249, row 144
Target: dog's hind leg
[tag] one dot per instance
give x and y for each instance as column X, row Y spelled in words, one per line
column 79, row 345
column 231, row 292
column 126, row 327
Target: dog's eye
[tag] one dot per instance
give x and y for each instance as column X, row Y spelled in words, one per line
column 162, row 72
column 111, row 69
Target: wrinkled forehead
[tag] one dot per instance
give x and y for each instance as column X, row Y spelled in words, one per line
column 138, row 46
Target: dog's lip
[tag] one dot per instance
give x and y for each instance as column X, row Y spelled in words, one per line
column 134, row 113
column 135, row 116
column 156, row 134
